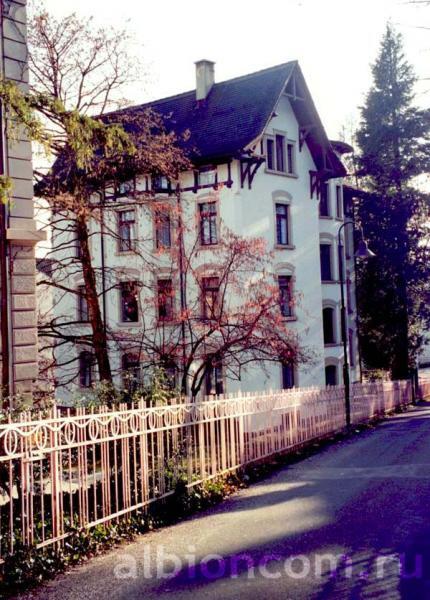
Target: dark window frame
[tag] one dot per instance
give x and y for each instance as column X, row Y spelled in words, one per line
column 214, row 379
column 326, row 261
column 280, row 153
column 208, row 223
column 291, row 157
column 331, row 375
column 285, row 283
column 210, row 289
column 288, row 376
column 129, row 301
column 270, row 154
column 86, row 369
column 324, row 203
column 163, row 229
column 329, row 325
column 205, row 170
column 123, row 188
column 165, row 299
column 339, row 202
column 161, row 184
column 282, row 215
column 126, row 243
column 83, row 314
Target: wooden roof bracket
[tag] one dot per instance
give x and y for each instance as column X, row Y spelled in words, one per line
column 304, row 132
column 249, row 166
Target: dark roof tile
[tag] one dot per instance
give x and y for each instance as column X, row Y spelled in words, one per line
column 234, row 113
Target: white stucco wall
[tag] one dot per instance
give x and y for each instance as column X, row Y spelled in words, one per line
column 248, row 212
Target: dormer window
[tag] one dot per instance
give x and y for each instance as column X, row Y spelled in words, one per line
column 207, row 176
column 280, row 154
column 291, row 157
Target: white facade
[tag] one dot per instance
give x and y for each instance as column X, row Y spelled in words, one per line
column 248, row 211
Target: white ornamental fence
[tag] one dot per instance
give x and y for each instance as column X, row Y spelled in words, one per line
column 80, row 468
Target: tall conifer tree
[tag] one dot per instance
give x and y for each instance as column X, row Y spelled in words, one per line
column 394, row 144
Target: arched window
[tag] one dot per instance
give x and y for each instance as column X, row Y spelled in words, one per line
column 328, row 315
column 331, row 375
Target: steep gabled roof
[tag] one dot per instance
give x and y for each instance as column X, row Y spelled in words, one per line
column 236, row 113
column 232, row 118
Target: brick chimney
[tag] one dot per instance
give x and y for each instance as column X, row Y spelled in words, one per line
column 205, row 78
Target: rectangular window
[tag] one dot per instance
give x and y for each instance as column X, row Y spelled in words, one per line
column 82, row 304
column 291, row 167
column 325, row 260
column 210, row 291
column 341, row 256
column 280, row 153
column 214, row 383
column 125, row 188
column 165, row 299
column 207, row 176
column 131, row 372
column 324, row 200
column 285, row 295
column 160, row 183
column 270, row 154
column 287, row 376
column 339, row 211
column 86, row 369
column 328, row 325
column 129, row 293
column 171, row 373
column 126, row 230
column 208, row 223
column 331, row 375
column 282, row 225
column 163, row 234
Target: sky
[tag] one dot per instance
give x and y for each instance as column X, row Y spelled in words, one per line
column 335, row 42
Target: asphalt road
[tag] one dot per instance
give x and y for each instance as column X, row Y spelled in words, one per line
column 350, row 522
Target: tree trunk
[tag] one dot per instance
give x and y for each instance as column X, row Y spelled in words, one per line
column 94, row 313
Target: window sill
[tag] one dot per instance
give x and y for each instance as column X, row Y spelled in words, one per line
column 290, row 319
column 339, row 219
column 164, row 250
column 326, row 217
column 281, row 173
column 330, row 281
column 209, row 246
column 284, row 247
column 333, row 345
column 126, row 324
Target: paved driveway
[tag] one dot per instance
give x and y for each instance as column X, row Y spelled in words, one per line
column 350, row 522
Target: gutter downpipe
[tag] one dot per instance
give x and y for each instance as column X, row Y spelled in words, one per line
column 4, row 287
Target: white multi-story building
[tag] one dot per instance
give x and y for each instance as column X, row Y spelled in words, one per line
column 264, row 168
